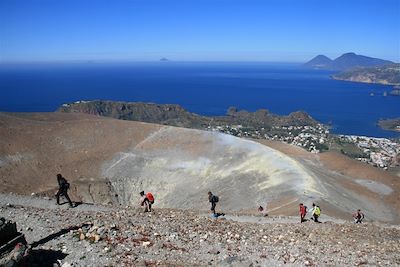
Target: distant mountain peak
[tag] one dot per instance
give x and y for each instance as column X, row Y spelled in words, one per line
column 323, row 56
column 346, row 61
column 319, row 62
column 349, row 54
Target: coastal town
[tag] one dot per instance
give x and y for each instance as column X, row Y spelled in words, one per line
column 379, row 152
column 311, row 138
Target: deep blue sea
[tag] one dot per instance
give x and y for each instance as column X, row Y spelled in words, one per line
column 204, row 88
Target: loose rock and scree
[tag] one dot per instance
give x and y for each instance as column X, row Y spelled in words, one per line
column 94, row 235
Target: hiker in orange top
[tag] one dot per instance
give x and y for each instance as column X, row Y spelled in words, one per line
column 146, row 200
column 303, row 212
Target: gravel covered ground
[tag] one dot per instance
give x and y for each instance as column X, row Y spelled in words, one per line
column 91, row 235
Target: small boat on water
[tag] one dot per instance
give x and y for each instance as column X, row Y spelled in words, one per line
column 371, row 94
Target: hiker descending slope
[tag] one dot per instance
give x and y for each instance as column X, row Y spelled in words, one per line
column 358, row 216
column 303, row 212
column 316, row 212
column 63, row 187
column 263, row 211
column 146, row 200
column 213, row 200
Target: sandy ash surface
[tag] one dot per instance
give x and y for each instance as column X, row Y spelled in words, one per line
column 91, row 235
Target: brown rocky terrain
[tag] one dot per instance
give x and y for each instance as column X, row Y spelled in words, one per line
column 36, row 146
column 341, row 167
column 105, row 236
column 109, row 161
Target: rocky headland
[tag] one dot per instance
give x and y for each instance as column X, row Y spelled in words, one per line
column 390, row 124
column 175, row 115
column 387, row 74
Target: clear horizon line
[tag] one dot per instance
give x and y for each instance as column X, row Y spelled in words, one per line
column 98, row 61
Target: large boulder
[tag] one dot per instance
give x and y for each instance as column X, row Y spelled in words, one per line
column 13, row 245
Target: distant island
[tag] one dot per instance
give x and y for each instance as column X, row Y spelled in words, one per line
column 387, row 74
column 346, row 61
column 164, row 59
column 175, row 115
column 390, row 124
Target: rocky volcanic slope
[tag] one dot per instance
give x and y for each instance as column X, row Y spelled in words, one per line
column 115, row 236
column 110, row 161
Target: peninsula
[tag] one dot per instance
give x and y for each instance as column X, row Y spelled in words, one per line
column 387, row 74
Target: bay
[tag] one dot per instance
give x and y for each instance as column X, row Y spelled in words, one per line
column 207, row 88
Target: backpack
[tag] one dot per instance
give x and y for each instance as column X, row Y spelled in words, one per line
column 216, row 198
column 317, row 211
column 150, row 197
column 64, row 184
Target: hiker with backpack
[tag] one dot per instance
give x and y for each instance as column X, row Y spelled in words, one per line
column 358, row 216
column 316, row 212
column 213, row 199
column 303, row 212
column 263, row 211
column 63, row 187
column 146, row 200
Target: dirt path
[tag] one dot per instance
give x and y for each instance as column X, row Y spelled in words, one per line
column 92, row 235
column 46, row 203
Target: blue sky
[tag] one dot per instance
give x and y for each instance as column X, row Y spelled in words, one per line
column 202, row 30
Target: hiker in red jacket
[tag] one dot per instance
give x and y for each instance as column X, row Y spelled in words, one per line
column 303, row 212
column 146, row 200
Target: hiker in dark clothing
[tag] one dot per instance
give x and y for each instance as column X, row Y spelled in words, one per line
column 63, row 187
column 358, row 216
column 213, row 200
column 262, row 211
